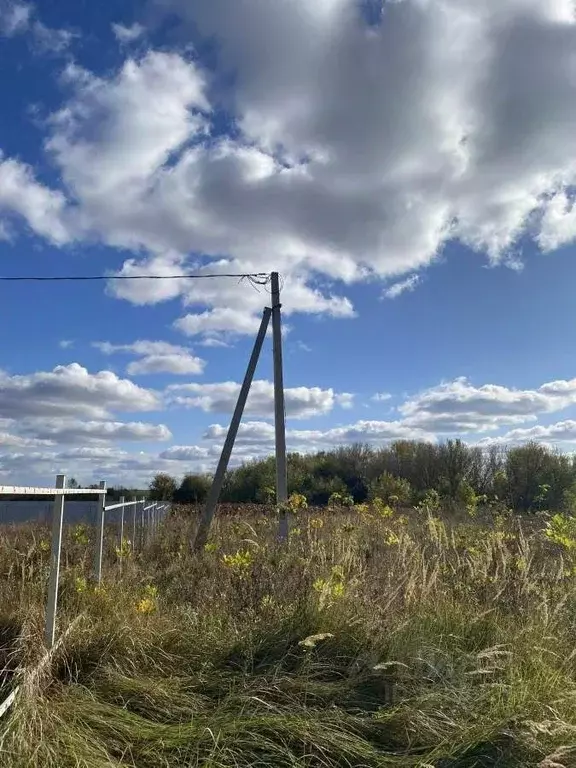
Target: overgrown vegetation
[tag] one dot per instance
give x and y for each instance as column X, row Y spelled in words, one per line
column 527, row 478
column 376, row 637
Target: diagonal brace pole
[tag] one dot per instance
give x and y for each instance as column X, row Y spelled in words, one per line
column 214, row 494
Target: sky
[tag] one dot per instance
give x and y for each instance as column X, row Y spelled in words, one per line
column 407, row 166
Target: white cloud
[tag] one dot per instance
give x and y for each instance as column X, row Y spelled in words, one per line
column 49, row 40
column 126, row 34
column 402, row 286
column 301, row 402
column 381, row 397
column 240, row 310
column 552, row 434
column 156, row 357
column 459, row 407
column 18, row 18
column 43, row 209
column 66, row 343
column 92, row 453
column 114, row 134
column 260, row 435
column 558, row 222
column 214, row 342
column 345, row 400
column 324, row 179
column 185, row 453
column 68, row 431
column 8, row 440
column 70, row 390
column 14, row 17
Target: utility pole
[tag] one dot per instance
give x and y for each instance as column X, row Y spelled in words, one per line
column 279, row 411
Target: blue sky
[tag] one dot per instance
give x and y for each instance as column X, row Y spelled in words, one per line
column 407, row 167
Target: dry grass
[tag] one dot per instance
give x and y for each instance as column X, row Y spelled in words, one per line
column 426, row 644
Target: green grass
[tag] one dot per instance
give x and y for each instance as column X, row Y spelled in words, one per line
column 429, row 644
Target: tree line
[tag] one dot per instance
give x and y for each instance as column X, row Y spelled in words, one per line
column 526, row 478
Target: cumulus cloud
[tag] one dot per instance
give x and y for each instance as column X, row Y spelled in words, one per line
column 552, row 434
column 221, row 397
column 239, row 312
column 70, row 390
column 459, row 407
column 360, row 151
column 113, row 135
column 185, row 453
column 70, row 430
column 41, row 208
column 156, row 357
column 260, row 433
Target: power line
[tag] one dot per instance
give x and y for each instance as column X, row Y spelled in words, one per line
column 255, row 276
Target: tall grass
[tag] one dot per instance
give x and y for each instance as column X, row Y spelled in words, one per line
column 370, row 640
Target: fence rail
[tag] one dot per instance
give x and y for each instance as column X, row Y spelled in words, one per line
column 145, row 521
column 145, row 524
column 24, row 490
column 120, row 505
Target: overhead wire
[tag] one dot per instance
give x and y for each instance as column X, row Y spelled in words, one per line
column 258, row 278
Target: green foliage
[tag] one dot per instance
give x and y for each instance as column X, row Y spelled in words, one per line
column 527, row 478
column 561, row 529
column 162, row 488
column 391, row 489
column 193, row 489
column 340, row 500
column 429, row 503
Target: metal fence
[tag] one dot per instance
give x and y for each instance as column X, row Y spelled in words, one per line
column 139, row 518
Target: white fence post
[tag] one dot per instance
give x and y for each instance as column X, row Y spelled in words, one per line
column 99, row 535
column 52, row 604
column 142, row 525
column 134, row 511
column 122, row 501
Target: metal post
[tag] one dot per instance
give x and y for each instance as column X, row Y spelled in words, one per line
column 52, row 604
column 279, row 411
column 142, row 524
column 216, row 487
column 122, row 501
column 134, row 506
column 99, row 535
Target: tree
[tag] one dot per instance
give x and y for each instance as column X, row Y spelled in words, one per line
column 72, row 483
column 193, row 489
column 392, row 490
column 163, row 487
column 537, row 477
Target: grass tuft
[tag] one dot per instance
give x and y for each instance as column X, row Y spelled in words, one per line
column 368, row 641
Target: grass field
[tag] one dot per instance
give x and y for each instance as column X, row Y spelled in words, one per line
column 372, row 639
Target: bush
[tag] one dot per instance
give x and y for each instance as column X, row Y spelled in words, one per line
column 193, row 489
column 392, row 490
